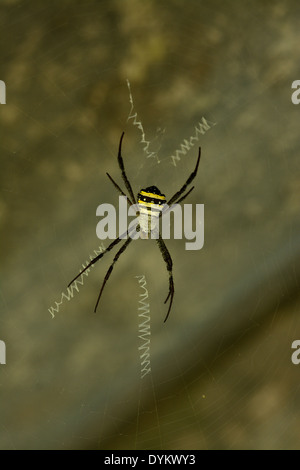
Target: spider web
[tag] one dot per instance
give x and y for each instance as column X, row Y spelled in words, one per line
column 221, row 372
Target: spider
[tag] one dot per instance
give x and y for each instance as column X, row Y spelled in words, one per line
column 150, row 201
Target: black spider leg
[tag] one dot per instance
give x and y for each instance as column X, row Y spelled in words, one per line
column 188, row 181
column 110, row 247
column 168, row 260
column 121, row 165
column 185, row 195
column 167, row 208
column 107, row 275
column 119, row 189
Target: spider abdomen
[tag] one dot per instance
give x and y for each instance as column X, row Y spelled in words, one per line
column 151, row 202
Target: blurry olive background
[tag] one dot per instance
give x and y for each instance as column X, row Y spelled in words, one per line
column 222, row 375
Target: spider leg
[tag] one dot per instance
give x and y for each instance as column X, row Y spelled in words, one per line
column 122, row 168
column 185, row 195
column 188, row 181
column 167, row 208
column 107, row 275
column 114, row 243
column 119, row 189
column 169, row 264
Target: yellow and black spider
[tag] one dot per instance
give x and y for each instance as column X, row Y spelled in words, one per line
column 151, row 203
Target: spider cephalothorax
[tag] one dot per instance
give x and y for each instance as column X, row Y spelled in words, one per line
column 151, row 195
column 150, row 201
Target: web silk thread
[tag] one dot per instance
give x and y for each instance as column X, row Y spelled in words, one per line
column 202, row 127
column 75, row 286
column 139, row 125
column 144, row 327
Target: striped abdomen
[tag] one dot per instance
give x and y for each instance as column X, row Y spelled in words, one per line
column 151, row 202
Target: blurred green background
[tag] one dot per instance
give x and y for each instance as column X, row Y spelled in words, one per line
column 221, row 369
